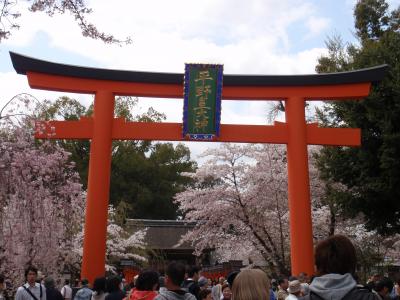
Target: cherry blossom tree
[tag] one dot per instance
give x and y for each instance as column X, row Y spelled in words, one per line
column 11, row 10
column 240, row 202
column 121, row 244
column 41, row 203
column 42, row 210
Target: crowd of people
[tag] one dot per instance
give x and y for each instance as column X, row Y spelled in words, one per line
column 335, row 279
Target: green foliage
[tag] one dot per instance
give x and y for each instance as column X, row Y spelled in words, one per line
column 145, row 176
column 370, row 173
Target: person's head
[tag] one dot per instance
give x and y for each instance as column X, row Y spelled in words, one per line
column 226, row 291
column 203, row 282
column 193, row 272
column 251, row 285
column 221, row 280
column 231, row 277
column 303, row 278
column 66, row 281
column 175, row 275
column 295, row 287
column 147, row 281
column 283, row 283
column 336, row 254
column 84, row 282
column 397, row 287
column 113, row 284
column 384, row 286
column 205, row 294
column 375, row 277
column 49, row 283
column 274, row 284
column 99, row 285
column 31, row 274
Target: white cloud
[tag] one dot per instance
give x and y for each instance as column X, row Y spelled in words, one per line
column 316, row 26
column 167, row 33
column 13, row 84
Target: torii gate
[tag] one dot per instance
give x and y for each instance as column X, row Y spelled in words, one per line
column 102, row 128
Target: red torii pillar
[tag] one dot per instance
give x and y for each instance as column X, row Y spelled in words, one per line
column 102, row 128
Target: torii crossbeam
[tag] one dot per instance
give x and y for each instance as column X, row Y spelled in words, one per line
column 102, row 128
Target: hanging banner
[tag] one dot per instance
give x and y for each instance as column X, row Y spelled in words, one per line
column 202, row 101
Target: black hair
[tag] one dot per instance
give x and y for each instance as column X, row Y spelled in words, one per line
column 384, row 282
column 146, row 280
column 49, row 283
column 84, row 281
column 113, row 284
column 1, row 278
column 176, row 272
column 281, row 280
column 337, row 255
column 204, row 293
column 66, row 281
column 99, row 285
column 193, row 270
column 30, row 269
column 231, row 277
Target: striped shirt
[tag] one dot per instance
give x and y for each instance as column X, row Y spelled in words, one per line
column 22, row 294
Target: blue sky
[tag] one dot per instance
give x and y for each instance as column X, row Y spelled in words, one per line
column 248, row 37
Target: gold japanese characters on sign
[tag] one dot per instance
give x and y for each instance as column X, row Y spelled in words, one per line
column 202, row 105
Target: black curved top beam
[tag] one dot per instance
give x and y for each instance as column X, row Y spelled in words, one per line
column 23, row 64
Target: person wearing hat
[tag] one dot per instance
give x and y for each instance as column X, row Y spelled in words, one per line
column 294, row 290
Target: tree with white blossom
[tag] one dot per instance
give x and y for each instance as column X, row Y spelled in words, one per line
column 121, row 244
column 41, row 203
column 240, row 202
column 240, row 205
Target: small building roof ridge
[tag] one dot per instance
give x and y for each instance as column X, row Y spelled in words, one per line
column 163, row 223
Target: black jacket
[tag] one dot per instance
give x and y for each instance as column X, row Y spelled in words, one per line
column 53, row 294
column 192, row 287
column 357, row 293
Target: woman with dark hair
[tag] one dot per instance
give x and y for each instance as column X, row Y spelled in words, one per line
column 99, row 289
column 146, row 286
column 113, row 285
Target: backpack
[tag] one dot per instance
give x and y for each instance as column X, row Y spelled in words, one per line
column 358, row 293
column 187, row 285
